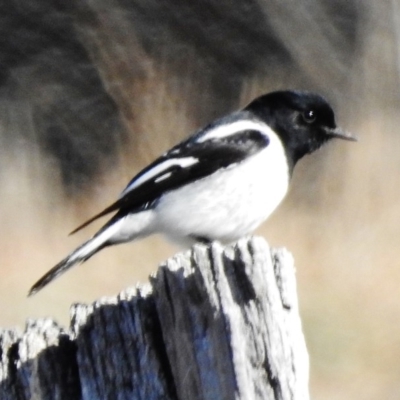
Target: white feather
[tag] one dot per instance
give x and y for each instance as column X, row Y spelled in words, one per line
column 235, row 127
column 229, row 203
column 128, row 228
column 181, row 162
column 162, row 177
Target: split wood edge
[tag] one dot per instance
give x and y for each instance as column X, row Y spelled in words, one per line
column 214, row 323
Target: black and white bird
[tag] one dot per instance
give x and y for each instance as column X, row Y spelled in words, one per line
column 219, row 184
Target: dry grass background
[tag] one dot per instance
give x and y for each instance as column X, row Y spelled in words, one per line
column 340, row 220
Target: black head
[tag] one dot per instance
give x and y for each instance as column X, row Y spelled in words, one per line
column 304, row 121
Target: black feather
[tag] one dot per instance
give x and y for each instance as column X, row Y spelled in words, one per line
column 212, row 155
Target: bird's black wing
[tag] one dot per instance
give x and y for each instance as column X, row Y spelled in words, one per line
column 183, row 164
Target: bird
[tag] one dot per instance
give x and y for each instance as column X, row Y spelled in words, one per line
column 221, row 182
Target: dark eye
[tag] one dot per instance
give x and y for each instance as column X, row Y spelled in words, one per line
column 309, row 116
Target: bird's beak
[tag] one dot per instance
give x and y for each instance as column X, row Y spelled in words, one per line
column 341, row 134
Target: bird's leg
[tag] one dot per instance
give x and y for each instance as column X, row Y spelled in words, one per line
column 201, row 239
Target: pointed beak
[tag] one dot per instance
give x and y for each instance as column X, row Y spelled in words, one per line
column 341, row 134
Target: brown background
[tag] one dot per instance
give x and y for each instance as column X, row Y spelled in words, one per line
column 93, row 90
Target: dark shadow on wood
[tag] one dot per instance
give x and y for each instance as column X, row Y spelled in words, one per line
column 214, row 323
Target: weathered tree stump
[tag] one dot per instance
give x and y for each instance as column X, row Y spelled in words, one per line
column 214, row 323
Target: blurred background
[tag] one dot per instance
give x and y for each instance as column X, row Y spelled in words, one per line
column 92, row 90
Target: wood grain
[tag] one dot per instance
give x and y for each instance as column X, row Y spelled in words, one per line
column 214, row 323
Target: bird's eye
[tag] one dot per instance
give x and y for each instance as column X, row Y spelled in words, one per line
column 309, row 116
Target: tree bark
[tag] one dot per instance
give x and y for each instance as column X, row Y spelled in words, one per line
column 214, row 323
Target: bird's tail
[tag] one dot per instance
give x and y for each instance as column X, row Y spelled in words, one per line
column 79, row 255
column 119, row 229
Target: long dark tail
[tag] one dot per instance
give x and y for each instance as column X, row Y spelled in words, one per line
column 79, row 255
column 119, row 229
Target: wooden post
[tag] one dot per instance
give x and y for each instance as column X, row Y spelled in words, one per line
column 214, row 323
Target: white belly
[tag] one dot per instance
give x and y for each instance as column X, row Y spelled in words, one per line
column 230, row 203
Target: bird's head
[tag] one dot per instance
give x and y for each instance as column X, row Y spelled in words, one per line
column 304, row 121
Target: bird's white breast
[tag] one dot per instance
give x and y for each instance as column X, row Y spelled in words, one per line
column 229, row 203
